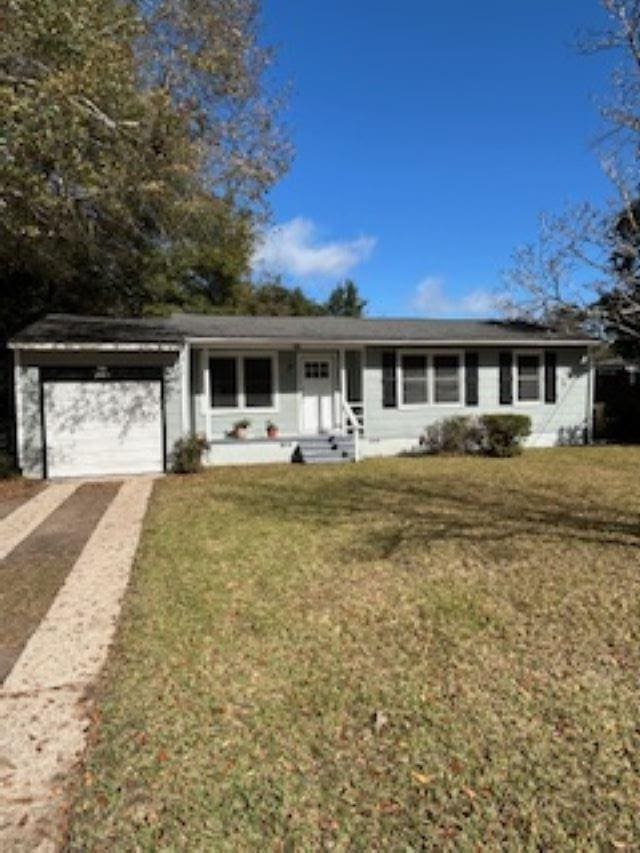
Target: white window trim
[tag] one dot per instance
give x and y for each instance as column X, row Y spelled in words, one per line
column 400, row 379
column 515, row 378
column 431, row 379
column 241, row 408
column 460, row 356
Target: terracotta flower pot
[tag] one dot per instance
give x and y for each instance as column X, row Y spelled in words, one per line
column 272, row 432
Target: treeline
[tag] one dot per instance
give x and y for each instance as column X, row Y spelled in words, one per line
column 139, row 141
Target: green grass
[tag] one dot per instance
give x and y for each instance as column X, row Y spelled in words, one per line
column 407, row 654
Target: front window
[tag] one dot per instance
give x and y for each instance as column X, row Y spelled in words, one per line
column 242, row 382
column 528, row 378
column 446, row 378
column 258, row 383
column 224, row 383
column 414, row 380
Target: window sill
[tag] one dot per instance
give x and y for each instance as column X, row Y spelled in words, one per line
column 242, row 411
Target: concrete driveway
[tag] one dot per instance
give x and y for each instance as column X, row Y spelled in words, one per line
column 44, row 708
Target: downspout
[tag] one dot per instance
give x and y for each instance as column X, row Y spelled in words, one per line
column 590, row 398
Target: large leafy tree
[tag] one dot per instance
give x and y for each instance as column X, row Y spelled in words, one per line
column 137, row 148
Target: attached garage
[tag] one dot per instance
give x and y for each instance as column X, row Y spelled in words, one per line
column 98, row 396
column 101, row 421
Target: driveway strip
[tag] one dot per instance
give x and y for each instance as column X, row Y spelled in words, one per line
column 24, row 520
column 33, row 573
column 44, row 711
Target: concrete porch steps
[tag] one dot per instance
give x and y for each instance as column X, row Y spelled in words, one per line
column 329, row 449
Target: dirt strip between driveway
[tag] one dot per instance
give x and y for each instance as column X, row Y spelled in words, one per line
column 44, row 707
column 17, row 491
column 24, row 520
column 34, row 571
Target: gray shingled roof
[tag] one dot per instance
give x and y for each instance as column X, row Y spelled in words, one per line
column 62, row 328
column 71, row 329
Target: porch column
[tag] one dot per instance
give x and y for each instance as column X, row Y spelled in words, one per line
column 185, row 365
column 17, row 399
column 343, row 386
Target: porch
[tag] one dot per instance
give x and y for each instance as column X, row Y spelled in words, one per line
column 298, row 404
column 307, row 449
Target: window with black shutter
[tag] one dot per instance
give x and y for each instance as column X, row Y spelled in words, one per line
column 389, row 389
column 550, row 381
column 471, row 379
column 506, row 378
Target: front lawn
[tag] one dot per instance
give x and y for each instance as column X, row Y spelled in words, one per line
column 406, row 654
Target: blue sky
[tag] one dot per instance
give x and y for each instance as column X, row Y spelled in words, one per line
column 429, row 136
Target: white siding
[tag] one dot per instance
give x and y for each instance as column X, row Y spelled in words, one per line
column 551, row 423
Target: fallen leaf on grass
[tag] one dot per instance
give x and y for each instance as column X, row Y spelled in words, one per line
column 421, row 778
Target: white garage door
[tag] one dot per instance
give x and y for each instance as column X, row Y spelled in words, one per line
column 103, row 427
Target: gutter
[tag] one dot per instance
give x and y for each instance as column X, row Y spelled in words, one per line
column 106, row 347
column 261, row 341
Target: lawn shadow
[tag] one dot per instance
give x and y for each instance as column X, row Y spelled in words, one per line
column 388, row 512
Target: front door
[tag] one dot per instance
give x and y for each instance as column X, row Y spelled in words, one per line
column 317, row 394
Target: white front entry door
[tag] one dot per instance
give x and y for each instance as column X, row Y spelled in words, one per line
column 317, row 394
column 96, row 428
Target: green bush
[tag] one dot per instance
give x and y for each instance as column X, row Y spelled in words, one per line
column 187, row 454
column 492, row 435
column 457, row 435
column 502, row 435
column 7, row 468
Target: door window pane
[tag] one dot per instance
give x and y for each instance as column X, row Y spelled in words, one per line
column 258, row 383
column 446, row 378
column 224, row 392
column 316, row 370
column 414, row 379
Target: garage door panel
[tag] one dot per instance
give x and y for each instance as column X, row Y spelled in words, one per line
column 112, row 427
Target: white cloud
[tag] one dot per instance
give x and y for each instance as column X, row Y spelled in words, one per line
column 430, row 298
column 295, row 249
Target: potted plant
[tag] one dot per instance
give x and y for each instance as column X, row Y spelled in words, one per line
column 240, row 428
column 272, row 429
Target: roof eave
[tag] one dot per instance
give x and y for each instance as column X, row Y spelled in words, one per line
column 96, row 345
column 356, row 342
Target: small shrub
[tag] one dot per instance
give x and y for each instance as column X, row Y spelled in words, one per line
column 457, row 435
column 7, row 468
column 502, row 435
column 187, row 454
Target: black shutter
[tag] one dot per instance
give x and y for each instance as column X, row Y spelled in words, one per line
column 389, row 390
column 471, row 378
column 506, row 378
column 550, row 382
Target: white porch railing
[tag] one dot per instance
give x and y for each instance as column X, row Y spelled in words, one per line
column 353, row 426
